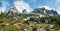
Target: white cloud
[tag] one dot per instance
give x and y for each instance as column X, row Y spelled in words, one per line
column 4, row 5
column 58, row 0
column 2, row 9
column 58, row 10
column 20, row 5
column 58, row 6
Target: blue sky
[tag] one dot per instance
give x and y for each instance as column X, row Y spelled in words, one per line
column 29, row 4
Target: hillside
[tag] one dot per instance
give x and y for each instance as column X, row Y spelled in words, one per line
column 21, row 22
column 14, row 21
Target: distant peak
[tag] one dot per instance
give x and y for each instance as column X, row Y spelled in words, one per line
column 46, row 7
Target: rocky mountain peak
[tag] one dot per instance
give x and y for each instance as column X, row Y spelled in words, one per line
column 13, row 9
column 45, row 11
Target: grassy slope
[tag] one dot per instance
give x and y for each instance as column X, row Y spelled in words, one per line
column 8, row 25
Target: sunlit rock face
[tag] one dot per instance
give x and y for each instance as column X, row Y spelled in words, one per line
column 13, row 9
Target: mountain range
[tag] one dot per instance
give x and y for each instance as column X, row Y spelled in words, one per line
column 45, row 11
column 35, row 11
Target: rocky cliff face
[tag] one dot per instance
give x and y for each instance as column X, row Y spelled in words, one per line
column 45, row 11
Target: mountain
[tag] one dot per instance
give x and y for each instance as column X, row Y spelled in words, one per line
column 13, row 9
column 45, row 11
column 36, row 11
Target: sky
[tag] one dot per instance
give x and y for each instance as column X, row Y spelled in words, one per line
column 29, row 5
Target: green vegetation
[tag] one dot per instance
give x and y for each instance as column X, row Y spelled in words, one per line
column 17, row 23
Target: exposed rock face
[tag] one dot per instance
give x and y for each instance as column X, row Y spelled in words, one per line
column 39, row 10
column 14, row 10
column 45, row 11
column 24, row 11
